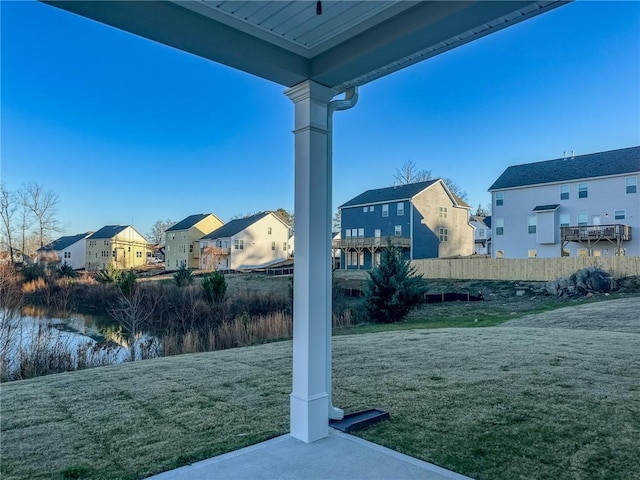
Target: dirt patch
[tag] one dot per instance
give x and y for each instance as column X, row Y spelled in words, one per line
column 620, row 315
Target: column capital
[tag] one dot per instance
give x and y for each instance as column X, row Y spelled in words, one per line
column 310, row 90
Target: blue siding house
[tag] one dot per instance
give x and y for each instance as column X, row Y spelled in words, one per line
column 425, row 219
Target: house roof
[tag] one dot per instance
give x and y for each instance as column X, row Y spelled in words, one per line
column 233, row 227
column 189, row 222
column 479, row 219
column 487, row 221
column 108, row 231
column 546, row 208
column 64, row 242
column 389, row 194
column 592, row 165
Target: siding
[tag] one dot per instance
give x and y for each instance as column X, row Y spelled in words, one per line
column 604, row 196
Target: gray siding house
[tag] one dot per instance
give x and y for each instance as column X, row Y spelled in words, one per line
column 587, row 205
column 425, row 219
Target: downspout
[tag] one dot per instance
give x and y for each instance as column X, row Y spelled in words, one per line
column 349, row 101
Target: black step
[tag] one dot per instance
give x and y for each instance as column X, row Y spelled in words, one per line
column 352, row 422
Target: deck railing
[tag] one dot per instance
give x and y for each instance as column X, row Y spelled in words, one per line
column 371, row 242
column 616, row 231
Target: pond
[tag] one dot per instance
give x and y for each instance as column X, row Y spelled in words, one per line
column 34, row 341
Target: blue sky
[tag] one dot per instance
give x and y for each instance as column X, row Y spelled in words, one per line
column 126, row 131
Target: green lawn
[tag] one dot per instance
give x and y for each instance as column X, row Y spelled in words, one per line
column 509, row 402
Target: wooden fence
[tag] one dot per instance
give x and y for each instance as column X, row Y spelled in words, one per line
column 533, row 269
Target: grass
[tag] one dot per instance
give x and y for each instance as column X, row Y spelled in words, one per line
column 514, row 402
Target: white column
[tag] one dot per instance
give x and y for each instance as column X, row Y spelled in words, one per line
column 311, row 290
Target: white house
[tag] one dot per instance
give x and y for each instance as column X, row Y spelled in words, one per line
column 482, row 235
column 69, row 249
column 584, row 205
column 246, row 243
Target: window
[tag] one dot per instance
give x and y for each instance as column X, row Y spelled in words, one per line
column 582, row 219
column 238, row 244
column 360, row 233
column 583, row 190
column 347, row 233
column 173, row 237
column 499, row 226
column 138, row 254
column 400, row 207
column 284, row 246
column 273, row 246
column 113, row 254
column 565, row 218
column 443, row 212
column 361, row 258
column 632, row 184
column 443, row 234
column 365, row 209
column 352, row 258
column 564, row 192
column 385, row 210
column 372, row 208
column 499, row 199
column 619, row 214
column 398, row 231
column 191, row 248
column 532, row 224
column 481, row 233
column 106, row 242
column 184, row 234
column 269, row 230
column 583, row 252
column 533, row 253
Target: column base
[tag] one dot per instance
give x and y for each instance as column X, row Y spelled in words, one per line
column 309, row 419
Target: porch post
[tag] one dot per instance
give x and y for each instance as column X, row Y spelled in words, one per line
column 311, row 291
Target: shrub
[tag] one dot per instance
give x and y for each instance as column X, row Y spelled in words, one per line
column 127, row 283
column 65, row 270
column 111, row 274
column 32, row 272
column 214, row 287
column 393, row 289
column 183, row 276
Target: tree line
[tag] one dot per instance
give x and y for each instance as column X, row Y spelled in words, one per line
column 28, row 218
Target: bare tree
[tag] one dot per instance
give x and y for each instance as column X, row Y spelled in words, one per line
column 483, row 211
column 337, row 221
column 132, row 312
column 156, row 234
column 8, row 207
column 42, row 204
column 409, row 173
column 285, row 215
column 455, row 188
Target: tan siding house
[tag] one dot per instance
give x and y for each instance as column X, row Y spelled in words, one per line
column 121, row 245
column 182, row 241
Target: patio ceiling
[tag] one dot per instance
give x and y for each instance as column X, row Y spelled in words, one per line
column 349, row 44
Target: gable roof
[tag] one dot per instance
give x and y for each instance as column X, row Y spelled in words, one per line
column 233, row 227
column 108, row 231
column 389, row 194
column 189, row 222
column 601, row 164
column 63, row 242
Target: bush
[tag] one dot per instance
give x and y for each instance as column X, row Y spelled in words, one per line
column 392, row 289
column 111, row 274
column 183, row 276
column 214, row 287
column 32, row 272
column 127, row 283
column 65, row 270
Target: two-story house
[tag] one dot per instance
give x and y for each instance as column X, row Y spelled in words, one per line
column 582, row 205
column 70, row 250
column 182, row 240
column 121, row 245
column 482, row 235
column 246, row 243
column 425, row 219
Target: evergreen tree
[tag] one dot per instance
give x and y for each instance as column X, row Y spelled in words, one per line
column 393, row 288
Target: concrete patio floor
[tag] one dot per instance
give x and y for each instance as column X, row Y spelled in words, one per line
column 339, row 456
